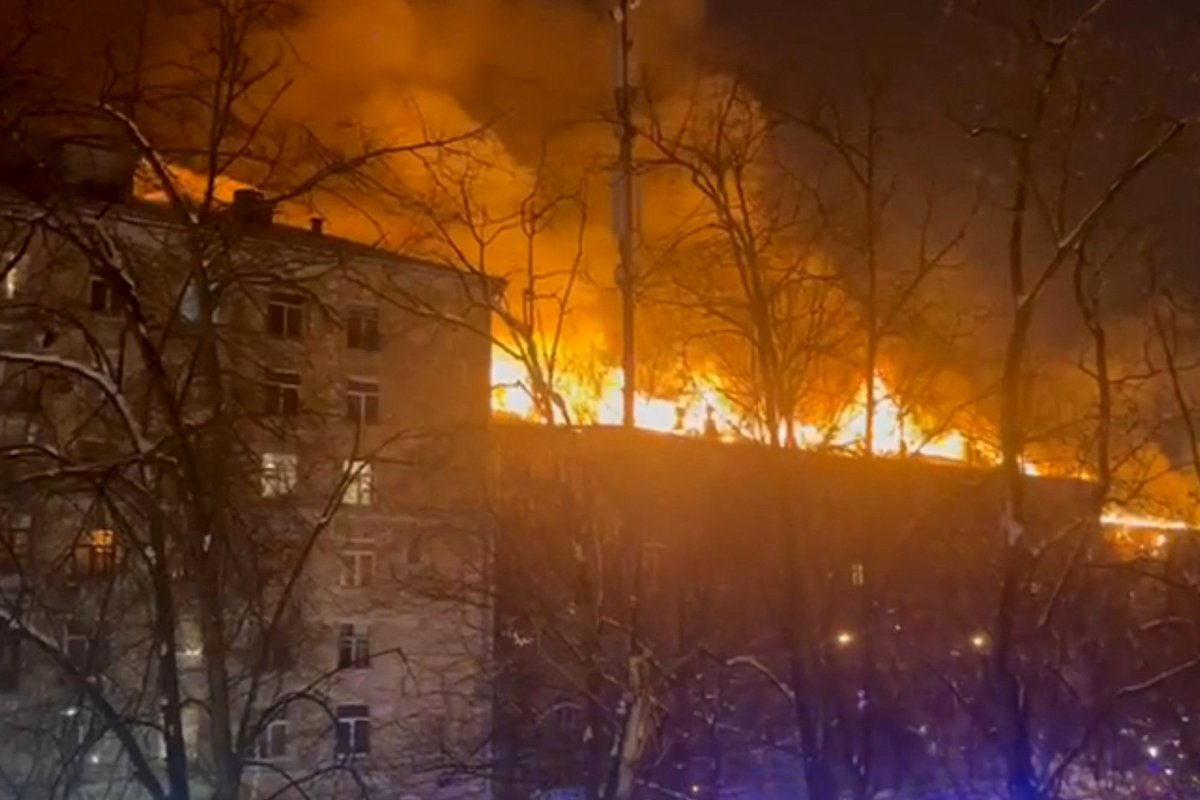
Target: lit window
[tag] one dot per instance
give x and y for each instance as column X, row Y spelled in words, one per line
column 354, row 647
column 281, row 393
column 358, row 569
column 14, row 541
column 272, row 742
column 95, row 552
column 360, row 483
column 362, row 328
column 857, row 575
column 362, row 402
column 278, row 474
column 353, row 730
column 285, row 316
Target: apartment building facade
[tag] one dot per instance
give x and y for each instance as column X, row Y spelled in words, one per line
column 242, row 497
column 644, row 590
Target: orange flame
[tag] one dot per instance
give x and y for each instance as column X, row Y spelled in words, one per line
column 705, row 409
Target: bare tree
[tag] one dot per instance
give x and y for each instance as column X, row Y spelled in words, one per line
column 1053, row 221
column 746, row 254
column 517, row 237
column 177, row 535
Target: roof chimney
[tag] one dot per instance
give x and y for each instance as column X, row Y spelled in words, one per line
column 97, row 170
column 316, row 225
column 251, row 207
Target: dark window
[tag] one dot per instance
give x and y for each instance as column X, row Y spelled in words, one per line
column 14, row 541
column 362, row 402
column 273, row 741
column 86, row 650
column 353, row 730
column 280, row 655
column 362, row 329
column 281, row 393
column 100, row 295
column 10, row 659
column 358, row 569
column 285, row 316
column 566, row 717
column 95, row 552
column 354, row 647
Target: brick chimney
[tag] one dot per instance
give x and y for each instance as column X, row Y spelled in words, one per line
column 252, row 208
column 40, row 164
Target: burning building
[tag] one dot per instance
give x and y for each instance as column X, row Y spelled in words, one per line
column 679, row 617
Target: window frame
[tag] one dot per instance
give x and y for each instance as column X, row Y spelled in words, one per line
column 281, row 393
column 360, row 483
column 100, row 557
column 352, row 730
column 266, row 744
column 278, row 474
column 362, row 401
column 353, row 575
column 86, row 648
column 10, row 659
column 354, row 646
column 18, row 538
column 285, row 316
column 101, row 297
column 362, row 329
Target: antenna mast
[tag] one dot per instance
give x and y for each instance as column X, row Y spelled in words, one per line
column 624, row 207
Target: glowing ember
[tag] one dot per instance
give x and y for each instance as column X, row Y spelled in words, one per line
column 894, row 432
column 703, row 409
column 1121, row 518
column 598, row 401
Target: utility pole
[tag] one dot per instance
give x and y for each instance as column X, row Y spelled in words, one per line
column 623, row 207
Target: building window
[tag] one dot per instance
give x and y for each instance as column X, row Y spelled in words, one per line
column 285, row 316
column 362, row 402
column 95, row 552
column 358, row 569
column 87, row 651
column 278, row 474
column 362, row 328
column 272, row 742
column 857, row 575
column 354, row 647
column 10, row 659
column 13, row 265
column 14, row 541
column 566, row 717
column 360, row 483
column 353, row 730
column 281, row 393
column 100, row 295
